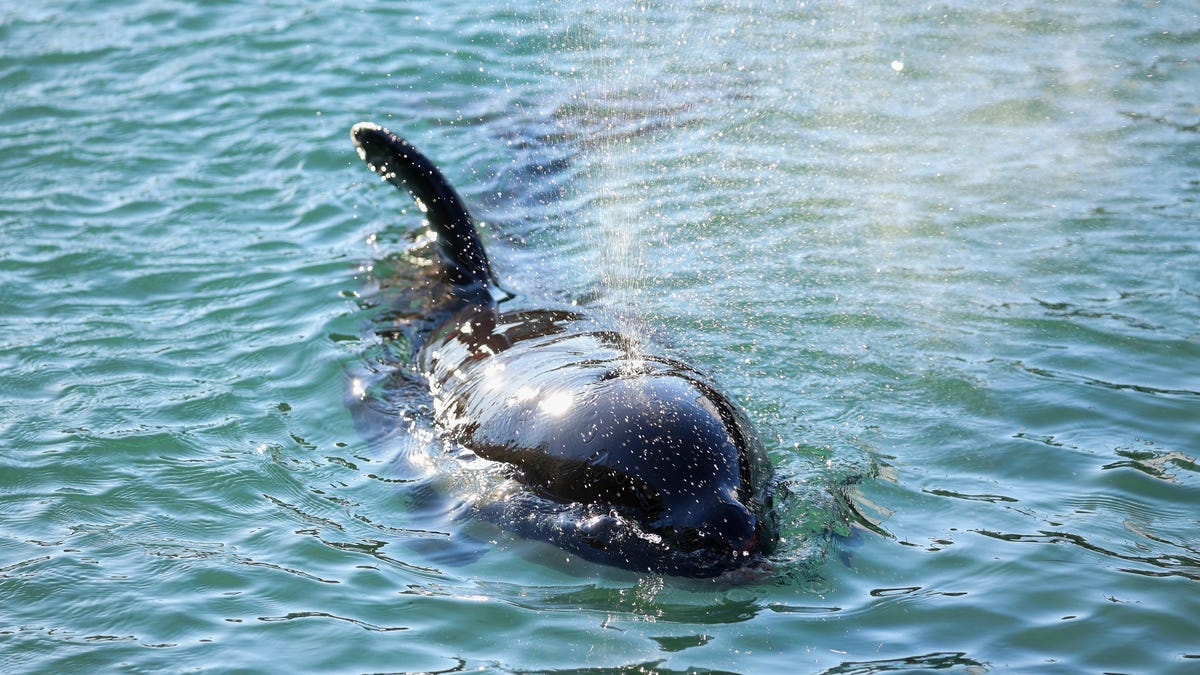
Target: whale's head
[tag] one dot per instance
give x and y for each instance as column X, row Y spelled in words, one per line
column 715, row 487
column 658, row 472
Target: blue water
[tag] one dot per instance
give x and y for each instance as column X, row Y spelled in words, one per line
column 946, row 256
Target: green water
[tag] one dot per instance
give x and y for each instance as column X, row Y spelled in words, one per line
column 946, row 256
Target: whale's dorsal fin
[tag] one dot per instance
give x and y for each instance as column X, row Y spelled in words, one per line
column 402, row 165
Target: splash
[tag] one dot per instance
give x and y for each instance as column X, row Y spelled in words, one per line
column 626, row 105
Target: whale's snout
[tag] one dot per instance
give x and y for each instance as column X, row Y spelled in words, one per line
column 725, row 529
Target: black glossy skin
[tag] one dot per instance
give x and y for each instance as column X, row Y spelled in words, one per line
column 631, row 460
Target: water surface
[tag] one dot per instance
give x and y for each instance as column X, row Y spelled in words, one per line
column 946, row 257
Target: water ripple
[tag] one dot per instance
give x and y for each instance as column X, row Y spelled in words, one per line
column 1167, row 564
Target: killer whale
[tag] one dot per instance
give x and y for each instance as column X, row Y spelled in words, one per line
column 627, row 458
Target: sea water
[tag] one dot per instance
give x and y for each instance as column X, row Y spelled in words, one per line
column 944, row 254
